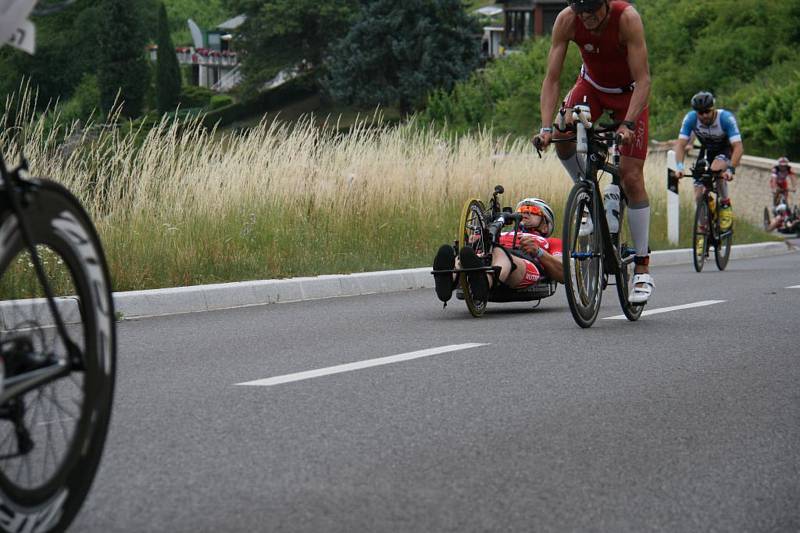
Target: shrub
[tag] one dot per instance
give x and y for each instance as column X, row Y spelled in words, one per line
column 220, row 100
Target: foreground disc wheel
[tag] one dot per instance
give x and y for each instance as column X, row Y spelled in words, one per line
column 700, row 235
column 582, row 258
column 46, row 473
column 623, row 277
column 473, row 233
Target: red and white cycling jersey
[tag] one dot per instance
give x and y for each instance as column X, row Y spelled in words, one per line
column 532, row 272
column 551, row 245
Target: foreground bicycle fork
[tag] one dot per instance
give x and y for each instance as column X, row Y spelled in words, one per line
column 22, row 369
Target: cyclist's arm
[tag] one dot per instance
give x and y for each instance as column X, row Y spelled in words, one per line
column 736, row 155
column 552, row 266
column 680, row 149
column 562, row 33
column 632, row 35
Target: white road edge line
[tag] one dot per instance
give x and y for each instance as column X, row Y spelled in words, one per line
column 358, row 365
column 794, row 287
column 668, row 309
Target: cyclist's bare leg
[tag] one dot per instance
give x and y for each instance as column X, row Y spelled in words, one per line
column 718, row 165
column 512, row 279
column 632, row 177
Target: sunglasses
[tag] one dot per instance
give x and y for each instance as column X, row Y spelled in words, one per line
column 531, row 209
column 705, row 111
column 585, row 8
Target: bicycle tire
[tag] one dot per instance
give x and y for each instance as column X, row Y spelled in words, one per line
column 767, row 220
column 700, row 235
column 473, row 224
column 722, row 246
column 62, row 231
column 623, row 276
column 582, row 275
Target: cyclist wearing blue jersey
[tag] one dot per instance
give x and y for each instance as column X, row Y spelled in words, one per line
column 721, row 142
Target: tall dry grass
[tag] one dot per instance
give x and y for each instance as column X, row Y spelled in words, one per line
column 180, row 205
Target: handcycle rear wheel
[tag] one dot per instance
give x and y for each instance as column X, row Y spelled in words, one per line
column 45, row 475
column 625, row 239
column 473, row 233
column 700, row 235
column 582, row 257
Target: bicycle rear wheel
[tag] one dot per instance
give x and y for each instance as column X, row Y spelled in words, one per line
column 627, row 252
column 52, row 436
column 473, row 233
column 582, row 257
column 700, row 236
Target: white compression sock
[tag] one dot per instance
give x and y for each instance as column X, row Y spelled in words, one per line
column 639, row 222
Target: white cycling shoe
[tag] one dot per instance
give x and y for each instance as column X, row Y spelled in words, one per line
column 642, row 287
column 587, row 226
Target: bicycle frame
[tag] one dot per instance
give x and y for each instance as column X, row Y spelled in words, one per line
column 13, row 191
column 614, row 260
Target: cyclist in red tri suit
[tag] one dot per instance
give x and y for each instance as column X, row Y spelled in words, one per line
column 536, row 255
column 780, row 177
column 615, row 76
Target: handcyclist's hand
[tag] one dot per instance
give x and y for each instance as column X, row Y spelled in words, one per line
column 627, row 135
column 528, row 244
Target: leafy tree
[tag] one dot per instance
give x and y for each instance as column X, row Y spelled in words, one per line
column 168, row 74
column 399, row 51
column 283, row 33
column 122, row 68
column 66, row 49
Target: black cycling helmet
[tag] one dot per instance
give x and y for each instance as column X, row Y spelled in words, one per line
column 583, row 6
column 702, row 101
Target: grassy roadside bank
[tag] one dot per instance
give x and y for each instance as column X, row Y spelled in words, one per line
column 173, row 208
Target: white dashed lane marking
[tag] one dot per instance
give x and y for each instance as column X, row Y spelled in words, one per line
column 704, row 303
column 358, row 365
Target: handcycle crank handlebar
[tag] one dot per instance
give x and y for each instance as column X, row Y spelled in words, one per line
column 504, row 219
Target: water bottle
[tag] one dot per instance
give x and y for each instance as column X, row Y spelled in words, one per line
column 611, row 203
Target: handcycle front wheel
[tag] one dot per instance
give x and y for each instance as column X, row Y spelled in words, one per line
column 623, row 276
column 582, row 257
column 473, row 232
column 700, row 235
column 52, row 436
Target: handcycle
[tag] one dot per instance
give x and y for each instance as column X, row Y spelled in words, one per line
column 706, row 231
column 589, row 260
column 57, row 348
column 480, row 229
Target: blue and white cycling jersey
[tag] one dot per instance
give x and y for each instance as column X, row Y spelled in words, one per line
column 717, row 137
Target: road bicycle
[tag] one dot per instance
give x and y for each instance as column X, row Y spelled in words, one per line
column 480, row 229
column 706, row 230
column 590, row 258
column 57, row 339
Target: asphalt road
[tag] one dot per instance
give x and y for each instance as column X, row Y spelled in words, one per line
column 687, row 420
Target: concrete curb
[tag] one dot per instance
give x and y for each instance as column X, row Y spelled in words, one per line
column 160, row 302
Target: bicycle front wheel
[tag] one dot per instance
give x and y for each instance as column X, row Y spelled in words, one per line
column 722, row 246
column 700, row 236
column 623, row 277
column 582, row 256
column 473, row 233
column 52, row 435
